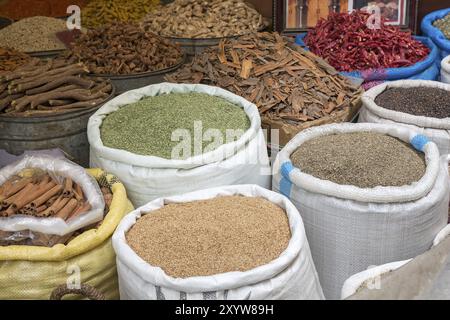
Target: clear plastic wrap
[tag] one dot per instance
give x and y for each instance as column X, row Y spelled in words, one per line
column 58, row 169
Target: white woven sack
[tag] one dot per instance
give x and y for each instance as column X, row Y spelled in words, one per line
column 291, row 276
column 351, row 228
column 445, row 70
column 147, row 177
column 55, row 226
column 419, row 282
column 438, row 130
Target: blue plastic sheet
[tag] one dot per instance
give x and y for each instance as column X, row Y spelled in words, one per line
column 434, row 33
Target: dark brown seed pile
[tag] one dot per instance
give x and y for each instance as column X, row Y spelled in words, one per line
column 418, row 101
column 202, row 238
column 361, row 159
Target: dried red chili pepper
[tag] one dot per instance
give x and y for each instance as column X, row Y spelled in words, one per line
column 348, row 44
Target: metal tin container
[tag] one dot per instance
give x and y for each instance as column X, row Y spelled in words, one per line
column 66, row 131
column 4, row 22
column 124, row 83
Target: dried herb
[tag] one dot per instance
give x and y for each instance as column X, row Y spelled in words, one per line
column 362, row 159
column 348, row 44
column 146, row 127
column 124, row 49
column 286, row 82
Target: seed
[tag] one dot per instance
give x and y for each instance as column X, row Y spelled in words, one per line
column 419, row 101
column 146, row 127
column 33, row 34
column 444, row 25
column 364, row 159
column 208, row 237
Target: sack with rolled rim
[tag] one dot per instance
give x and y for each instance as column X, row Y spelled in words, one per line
column 290, row 276
column 445, row 70
column 148, row 177
column 351, row 228
column 438, row 130
column 434, row 33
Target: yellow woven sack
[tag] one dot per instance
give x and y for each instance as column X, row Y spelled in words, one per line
column 30, row 272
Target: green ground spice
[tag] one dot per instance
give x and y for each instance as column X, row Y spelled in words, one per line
column 146, row 127
column 361, row 159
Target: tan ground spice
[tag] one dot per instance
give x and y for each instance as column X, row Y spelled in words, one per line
column 361, row 159
column 202, row 238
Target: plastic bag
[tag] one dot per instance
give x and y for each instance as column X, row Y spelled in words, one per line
column 53, row 225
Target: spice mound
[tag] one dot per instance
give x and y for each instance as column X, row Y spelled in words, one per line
column 147, row 126
column 33, row 34
column 418, row 101
column 124, row 49
column 11, row 59
column 285, row 82
column 203, row 19
column 102, row 12
column 365, row 160
column 50, row 87
column 348, row 44
column 203, row 238
column 444, row 25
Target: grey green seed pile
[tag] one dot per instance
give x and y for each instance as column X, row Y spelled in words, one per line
column 365, row 160
column 444, row 25
column 146, row 127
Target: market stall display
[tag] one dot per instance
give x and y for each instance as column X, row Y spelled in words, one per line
column 11, row 59
column 416, row 104
column 277, row 263
column 34, row 35
column 99, row 13
column 124, row 53
column 292, row 88
column 18, row 10
column 31, row 272
column 395, row 220
column 238, row 157
column 435, row 26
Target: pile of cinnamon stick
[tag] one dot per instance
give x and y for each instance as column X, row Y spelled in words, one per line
column 49, row 87
column 285, row 82
column 42, row 196
column 11, row 59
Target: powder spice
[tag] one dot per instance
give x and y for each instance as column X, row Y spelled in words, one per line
column 146, row 127
column 419, row 101
column 208, row 237
column 364, row 159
